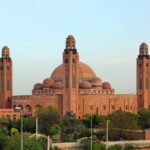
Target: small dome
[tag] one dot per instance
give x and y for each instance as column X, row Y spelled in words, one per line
column 143, row 49
column 5, row 51
column 38, row 86
column 106, row 85
column 58, row 85
column 96, row 82
column 70, row 37
column 48, row 82
column 84, row 85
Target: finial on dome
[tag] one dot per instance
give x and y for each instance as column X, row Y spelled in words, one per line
column 70, row 42
column 143, row 49
column 5, row 51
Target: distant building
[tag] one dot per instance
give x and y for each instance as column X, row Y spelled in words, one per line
column 74, row 86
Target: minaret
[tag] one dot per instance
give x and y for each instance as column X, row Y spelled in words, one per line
column 5, row 78
column 70, row 64
column 143, row 77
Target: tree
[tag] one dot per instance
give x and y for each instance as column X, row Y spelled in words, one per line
column 13, row 142
column 29, row 124
column 144, row 118
column 97, row 120
column 47, row 117
column 32, row 144
column 71, row 125
column 55, row 132
column 123, row 120
column 55, row 129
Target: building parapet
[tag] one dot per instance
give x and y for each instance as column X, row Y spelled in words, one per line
column 96, row 91
column 48, row 92
column 22, row 97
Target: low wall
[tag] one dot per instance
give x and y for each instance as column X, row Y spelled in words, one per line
column 139, row 143
column 68, row 146
column 76, row 145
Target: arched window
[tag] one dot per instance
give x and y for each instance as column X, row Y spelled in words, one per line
column 38, row 107
column 28, row 108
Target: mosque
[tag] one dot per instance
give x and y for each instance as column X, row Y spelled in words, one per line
column 74, row 87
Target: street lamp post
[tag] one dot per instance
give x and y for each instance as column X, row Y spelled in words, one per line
column 48, row 143
column 21, row 128
column 91, row 108
column 107, row 132
column 36, row 126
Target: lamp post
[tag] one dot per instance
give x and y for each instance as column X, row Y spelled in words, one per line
column 21, row 128
column 91, row 108
column 36, row 126
column 48, row 143
column 107, row 123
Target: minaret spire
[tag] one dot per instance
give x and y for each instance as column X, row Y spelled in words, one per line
column 71, row 67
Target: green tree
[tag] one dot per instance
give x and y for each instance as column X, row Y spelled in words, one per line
column 32, row 144
column 55, row 132
column 97, row 120
column 71, row 125
column 13, row 143
column 123, row 120
column 55, row 129
column 47, row 117
column 144, row 118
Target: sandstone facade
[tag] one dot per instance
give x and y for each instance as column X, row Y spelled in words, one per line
column 74, row 86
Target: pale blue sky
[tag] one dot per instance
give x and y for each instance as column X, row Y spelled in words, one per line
column 108, row 35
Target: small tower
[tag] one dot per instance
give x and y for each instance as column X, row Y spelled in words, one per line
column 5, row 78
column 70, row 64
column 143, row 77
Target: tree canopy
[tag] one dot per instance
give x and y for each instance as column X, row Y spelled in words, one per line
column 46, row 118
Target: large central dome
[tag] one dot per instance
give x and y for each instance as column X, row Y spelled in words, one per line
column 86, row 77
column 85, row 72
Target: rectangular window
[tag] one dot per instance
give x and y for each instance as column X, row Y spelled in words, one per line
column 73, row 76
column 113, row 107
column 140, row 83
column 147, row 83
column 67, row 77
column 73, row 81
column 8, row 85
column 104, row 107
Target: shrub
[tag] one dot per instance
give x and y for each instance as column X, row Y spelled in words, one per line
column 100, row 134
column 56, row 137
column 55, row 129
column 85, row 133
column 86, row 145
column 98, row 146
column 115, row 147
column 129, row 147
column 70, row 137
column 14, row 131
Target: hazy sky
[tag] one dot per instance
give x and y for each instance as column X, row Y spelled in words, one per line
column 108, row 34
